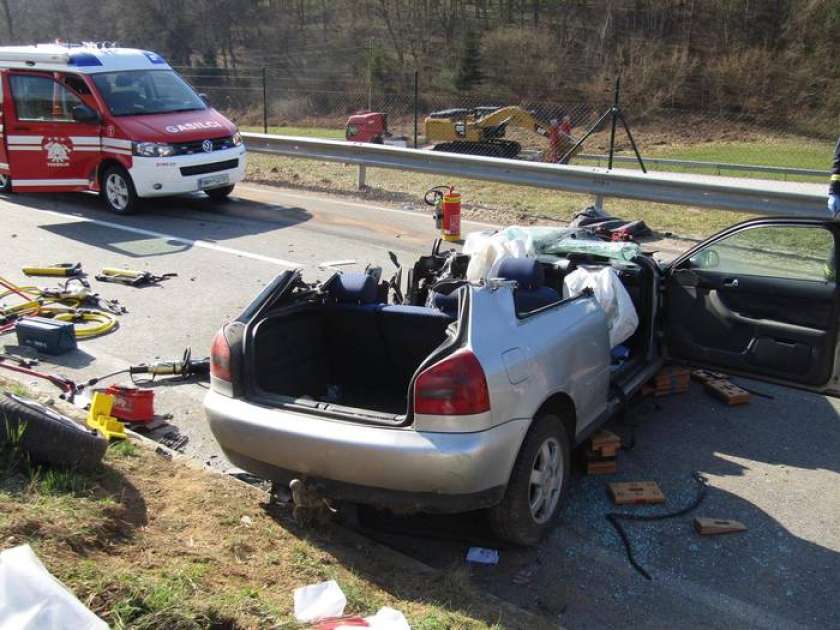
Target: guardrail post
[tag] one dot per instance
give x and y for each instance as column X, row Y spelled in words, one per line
column 599, row 202
column 362, row 177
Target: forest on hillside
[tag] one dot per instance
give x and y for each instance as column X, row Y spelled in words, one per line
column 767, row 60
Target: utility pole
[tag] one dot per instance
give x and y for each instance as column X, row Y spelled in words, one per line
column 265, row 100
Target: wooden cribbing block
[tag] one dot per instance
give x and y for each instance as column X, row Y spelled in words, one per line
column 606, row 443
column 601, row 467
column 636, row 492
column 728, row 392
column 669, row 380
column 711, row 526
column 704, row 376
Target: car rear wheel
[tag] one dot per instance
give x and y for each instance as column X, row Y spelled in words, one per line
column 537, row 484
column 219, row 194
column 5, row 184
column 118, row 191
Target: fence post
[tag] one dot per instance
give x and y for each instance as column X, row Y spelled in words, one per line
column 265, row 100
column 415, row 109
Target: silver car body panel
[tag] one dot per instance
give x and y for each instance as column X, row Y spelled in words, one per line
column 390, row 458
column 561, row 349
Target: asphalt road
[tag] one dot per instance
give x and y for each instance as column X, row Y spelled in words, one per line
column 772, row 464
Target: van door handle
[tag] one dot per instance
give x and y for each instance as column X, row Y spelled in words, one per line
column 731, row 283
column 22, row 128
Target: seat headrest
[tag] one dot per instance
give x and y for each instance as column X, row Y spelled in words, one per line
column 124, row 80
column 527, row 272
column 353, row 288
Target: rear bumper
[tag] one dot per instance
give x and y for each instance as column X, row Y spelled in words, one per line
column 157, row 177
column 395, row 467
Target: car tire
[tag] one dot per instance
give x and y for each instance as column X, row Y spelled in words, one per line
column 525, row 515
column 49, row 437
column 5, row 184
column 219, row 194
column 118, row 191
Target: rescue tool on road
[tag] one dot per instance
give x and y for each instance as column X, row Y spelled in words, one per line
column 118, row 121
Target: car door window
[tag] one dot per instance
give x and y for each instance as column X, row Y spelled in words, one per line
column 42, row 99
column 792, row 252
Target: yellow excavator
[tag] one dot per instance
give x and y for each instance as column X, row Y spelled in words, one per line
column 480, row 130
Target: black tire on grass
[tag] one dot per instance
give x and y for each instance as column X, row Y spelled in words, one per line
column 49, row 437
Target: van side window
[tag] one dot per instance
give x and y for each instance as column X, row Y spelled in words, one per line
column 77, row 84
column 42, row 98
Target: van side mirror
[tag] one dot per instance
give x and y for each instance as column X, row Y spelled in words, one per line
column 204, row 98
column 84, row 114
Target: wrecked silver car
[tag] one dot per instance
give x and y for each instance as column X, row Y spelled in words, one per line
column 449, row 394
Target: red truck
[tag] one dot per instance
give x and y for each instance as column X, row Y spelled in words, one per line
column 371, row 127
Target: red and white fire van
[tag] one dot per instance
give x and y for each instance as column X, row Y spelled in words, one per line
column 117, row 121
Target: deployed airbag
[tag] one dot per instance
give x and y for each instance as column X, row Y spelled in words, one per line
column 610, row 295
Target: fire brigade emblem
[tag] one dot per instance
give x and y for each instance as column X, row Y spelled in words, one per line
column 58, row 151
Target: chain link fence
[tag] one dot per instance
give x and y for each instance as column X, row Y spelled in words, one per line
column 419, row 112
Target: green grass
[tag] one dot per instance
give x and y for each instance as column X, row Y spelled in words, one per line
column 56, row 482
column 805, row 154
column 124, row 448
column 18, row 389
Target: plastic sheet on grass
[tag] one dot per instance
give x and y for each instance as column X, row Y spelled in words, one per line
column 32, row 599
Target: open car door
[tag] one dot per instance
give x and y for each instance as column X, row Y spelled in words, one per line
column 759, row 299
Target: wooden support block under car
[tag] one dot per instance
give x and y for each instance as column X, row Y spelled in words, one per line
column 711, row 526
column 636, row 492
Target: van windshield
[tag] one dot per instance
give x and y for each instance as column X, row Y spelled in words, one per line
column 138, row 92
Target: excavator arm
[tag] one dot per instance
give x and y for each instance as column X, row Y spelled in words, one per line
column 516, row 116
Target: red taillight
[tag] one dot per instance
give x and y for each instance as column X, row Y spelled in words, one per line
column 455, row 386
column 220, row 357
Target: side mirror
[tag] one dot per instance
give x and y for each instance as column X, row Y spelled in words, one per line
column 84, row 114
column 204, row 98
column 705, row 259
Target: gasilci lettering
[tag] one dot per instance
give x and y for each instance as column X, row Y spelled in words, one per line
column 193, row 126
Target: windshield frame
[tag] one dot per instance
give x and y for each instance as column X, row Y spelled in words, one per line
column 199, row 102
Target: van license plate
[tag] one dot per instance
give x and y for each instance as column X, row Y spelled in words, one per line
column 213, row 181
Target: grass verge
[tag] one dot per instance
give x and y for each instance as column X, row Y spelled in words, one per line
column 147, row 542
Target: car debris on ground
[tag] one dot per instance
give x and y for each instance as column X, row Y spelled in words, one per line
column 482, row 555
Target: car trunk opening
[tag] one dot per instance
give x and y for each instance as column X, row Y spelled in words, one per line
column 356, row 359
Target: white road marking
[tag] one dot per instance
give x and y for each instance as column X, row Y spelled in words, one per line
column 169, row 237
column 355, row 204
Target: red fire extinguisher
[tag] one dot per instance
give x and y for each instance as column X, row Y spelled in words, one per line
column 447, row 214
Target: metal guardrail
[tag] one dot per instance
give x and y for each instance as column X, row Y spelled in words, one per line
column 708, row 191
column 715, row 166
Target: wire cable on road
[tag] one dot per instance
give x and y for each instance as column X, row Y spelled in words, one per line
column 615, row 519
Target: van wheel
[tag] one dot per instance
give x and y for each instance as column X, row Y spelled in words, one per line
column 5, row 184
column 219, row 194
column 118, row 191
column 536, row 486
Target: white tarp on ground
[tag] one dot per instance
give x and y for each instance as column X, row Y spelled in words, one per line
column 32, row 599
column 611, row 295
